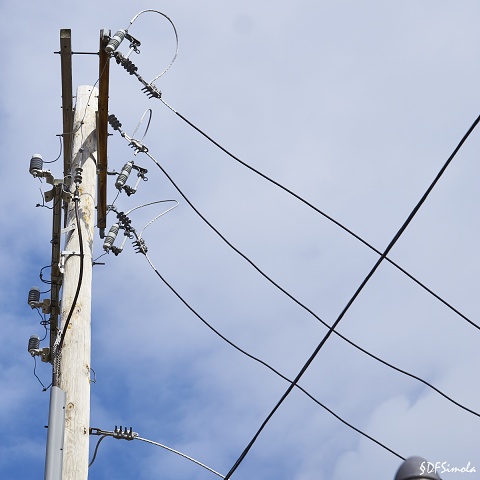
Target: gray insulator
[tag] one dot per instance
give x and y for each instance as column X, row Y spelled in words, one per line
column 123, row 177
column 33, row 344
column 34, row 297
column 36, row 164
column 110, row 238
column 115, row 41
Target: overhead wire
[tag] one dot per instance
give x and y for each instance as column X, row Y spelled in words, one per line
column 290, row 192
column 176, row 38
column 328, row 217
column 353, row 298
column 303, row 306
column 179, row 453
column 119, row 435
column 265, row 364
column 149, row 110
column 159, row 216
column 383, row 256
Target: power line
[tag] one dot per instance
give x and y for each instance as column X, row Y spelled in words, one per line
column 120, row 434
column 265, row 364
column 307, row 309
column 373, row 270
column 176, row 39
column 179, row 453
column 353, row 298
column 328, row 217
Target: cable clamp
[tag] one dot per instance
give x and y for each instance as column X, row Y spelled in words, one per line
column 119, row 433
column 63, row 257
column 124, row 434
column 140, row 246
column 73, row 226
column 43, row 353
column 137, row 146
column 151, row 91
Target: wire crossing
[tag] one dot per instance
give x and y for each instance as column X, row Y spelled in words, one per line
column 354, row 297
column 265, row 364
column 303, row 306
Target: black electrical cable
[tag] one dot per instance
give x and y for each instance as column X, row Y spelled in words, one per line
column 61, row 149
column 76, row 199
column 311, row 312
column 96, row 450
column 48, row 282
column 37, row 377
column 256, row 359
column 353, row 298
column 328, row 217
column 44, row 322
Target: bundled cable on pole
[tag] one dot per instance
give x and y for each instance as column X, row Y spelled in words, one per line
column 76, row 200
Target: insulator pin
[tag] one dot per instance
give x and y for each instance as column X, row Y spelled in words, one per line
column 78, row 175
column 114, row 122
column 34, row 297
column 36, row 164
column 33, row 344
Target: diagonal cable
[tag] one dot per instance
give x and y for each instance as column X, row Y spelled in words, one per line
column 325, row 215
column 353, row 298
column 303, row 306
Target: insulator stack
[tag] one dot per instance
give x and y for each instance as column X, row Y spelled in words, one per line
column 115, row 41
column 123, row 177
column 33, row 296
column 33, row 344
column 127, row 64
column 125, row 221
column 36, row 164
column 114, row 122
column 110, row 238
column 78, row 175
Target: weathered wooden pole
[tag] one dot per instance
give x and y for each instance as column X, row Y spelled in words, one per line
column 74, row 349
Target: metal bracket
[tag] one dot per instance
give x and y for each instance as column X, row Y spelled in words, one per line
column 73, row 226
column 45, row 305
column 63, row 257
column 44, row 353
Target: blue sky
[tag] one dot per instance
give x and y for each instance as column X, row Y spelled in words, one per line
column 355, row 106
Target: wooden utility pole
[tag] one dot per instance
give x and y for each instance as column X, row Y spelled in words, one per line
column 74, row 368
